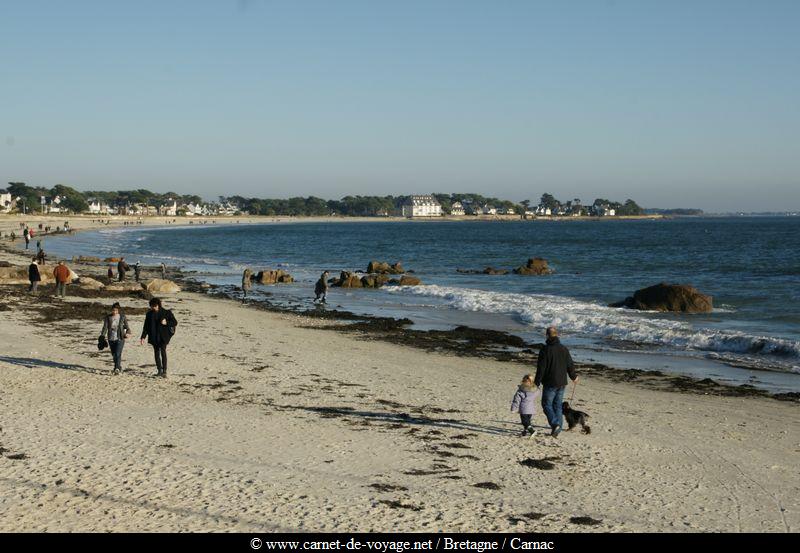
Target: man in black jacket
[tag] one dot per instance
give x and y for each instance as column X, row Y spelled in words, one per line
column 552, row 369
column 159, row 326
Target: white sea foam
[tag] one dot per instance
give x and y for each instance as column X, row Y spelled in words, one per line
column 600, row 321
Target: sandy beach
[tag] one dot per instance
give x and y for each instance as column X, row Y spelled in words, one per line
column 272, row 421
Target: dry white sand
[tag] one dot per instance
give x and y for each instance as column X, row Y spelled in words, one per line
column 267, row 424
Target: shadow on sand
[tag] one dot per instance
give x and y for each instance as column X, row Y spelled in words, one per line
column 32, row 363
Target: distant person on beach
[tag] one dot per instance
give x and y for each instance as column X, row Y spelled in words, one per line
column 61, row 274
column 27, row 237
column 552, row 369
column 111, row 272
column 13, row 236
column 122, row 267
column 137, row 271
column 163, row 271
column 247, row 283
column 116, row 331
column 524, row 402
column 34, row 276
column 38, row 246
column 321, row 288
column 159, row 326
column 40, row 257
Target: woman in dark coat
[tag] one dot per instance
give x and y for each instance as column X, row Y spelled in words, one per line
column 116, row 330
column 159, row 326
column 33, row 275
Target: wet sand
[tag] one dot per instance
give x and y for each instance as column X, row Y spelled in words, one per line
column 272, row 421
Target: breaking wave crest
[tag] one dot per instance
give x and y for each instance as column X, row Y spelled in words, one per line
column 599, row 321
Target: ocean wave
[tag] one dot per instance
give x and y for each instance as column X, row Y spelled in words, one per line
column 599, row 321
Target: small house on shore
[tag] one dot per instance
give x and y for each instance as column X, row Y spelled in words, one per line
column 457, row 209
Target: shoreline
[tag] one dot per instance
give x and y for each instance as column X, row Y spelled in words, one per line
column 463, row 340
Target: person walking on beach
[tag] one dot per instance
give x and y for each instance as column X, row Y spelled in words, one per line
column 116, row 331
column 321, row 288
column 122, row 267
column 524, row 402
column 247, row 283
column 159, row 326
column 38, row 246
column 34, row 276
column 137, row 270
column 27, row 236
column 111, row 272
column 40, row 257
column 61, row 274
column 163, row 271
column 552, row 369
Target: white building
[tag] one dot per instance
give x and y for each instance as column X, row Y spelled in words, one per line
column 54, row 205
column 457, row 208
column 6, row 201
column 543, row 210
column 169, row 209
column 423, row 205
column 506, row 211
column 96, row 207
column 489, row 210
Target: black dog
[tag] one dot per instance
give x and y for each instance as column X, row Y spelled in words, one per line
column 575, row 417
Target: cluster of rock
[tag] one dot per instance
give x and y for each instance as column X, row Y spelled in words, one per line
column 19, row 275
column 377, row 275
column 534, row 266
column 486, row 271
column 383, row 268
column 681, row 298
column 278, row 276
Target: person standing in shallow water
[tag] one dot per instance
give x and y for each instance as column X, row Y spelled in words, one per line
column 163, row 271
column 321, row 288
column 116, row 331
column 552, row 368
column 247, row 283
column 159, row 326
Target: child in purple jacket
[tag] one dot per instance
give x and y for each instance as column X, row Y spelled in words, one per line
column 525, row 402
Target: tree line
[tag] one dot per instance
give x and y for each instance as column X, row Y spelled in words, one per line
column 355, row 206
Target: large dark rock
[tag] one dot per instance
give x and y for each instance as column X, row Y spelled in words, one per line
column 535, row 266
column 374, row 281
column 681, row 298
column 274, row 277
column 381, row 267
column 348, row 280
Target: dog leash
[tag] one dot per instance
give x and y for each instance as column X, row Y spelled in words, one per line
column 574, row 385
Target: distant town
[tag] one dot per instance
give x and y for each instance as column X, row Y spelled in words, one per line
column 19, row 197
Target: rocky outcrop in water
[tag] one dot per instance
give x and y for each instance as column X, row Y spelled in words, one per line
column 348, row 280
column 381, row 267
column 535, row 266
column 274, row 277
column 681, row 298
column 486, row 271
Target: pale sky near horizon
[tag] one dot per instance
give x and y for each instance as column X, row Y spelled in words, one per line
column 671, row 103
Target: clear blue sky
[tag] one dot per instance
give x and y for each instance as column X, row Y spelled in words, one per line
column 672, row 103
